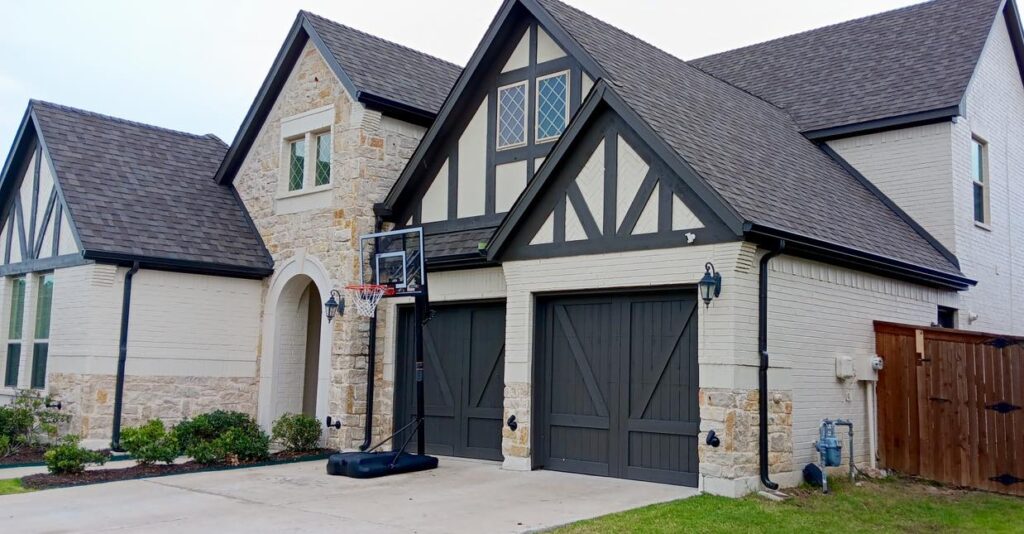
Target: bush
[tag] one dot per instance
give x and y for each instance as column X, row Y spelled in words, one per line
column 28, row 422
column 222, row 436
column 150, row 443
column 69, row 458
column 297, row 432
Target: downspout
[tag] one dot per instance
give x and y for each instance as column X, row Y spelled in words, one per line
column 762, row 372
column 371, row 358
column 122, row 357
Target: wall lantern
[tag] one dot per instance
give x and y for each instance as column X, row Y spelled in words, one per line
column 334, row 306
column 710, row 285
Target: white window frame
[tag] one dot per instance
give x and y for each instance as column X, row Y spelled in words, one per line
column 31, row 359
column 307, row 126
column 526, row 115
column 536, row 112
column 985, row 183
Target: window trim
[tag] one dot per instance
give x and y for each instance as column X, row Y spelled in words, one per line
column 526, row 115
column 985, row 184
column 19, row 341
column 290, row 145
column 316, row 136
column 536, row 118
column 40, row 278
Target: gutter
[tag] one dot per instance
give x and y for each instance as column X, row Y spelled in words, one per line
column 122, row 357
column 177, row 265
column 762, row 370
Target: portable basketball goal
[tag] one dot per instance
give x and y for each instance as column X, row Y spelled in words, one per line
column 391, row 264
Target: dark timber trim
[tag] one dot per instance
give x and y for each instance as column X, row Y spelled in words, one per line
column 888, row 123
column 45, row 264
column 170, row 264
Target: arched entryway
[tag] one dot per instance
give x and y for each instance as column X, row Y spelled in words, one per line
column 295, row 365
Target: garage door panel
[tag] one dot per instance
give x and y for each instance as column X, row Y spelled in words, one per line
column 574, row 448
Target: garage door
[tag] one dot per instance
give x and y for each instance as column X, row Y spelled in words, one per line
column 463, row 379
column 617, row 377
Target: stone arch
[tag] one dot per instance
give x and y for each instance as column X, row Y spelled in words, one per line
column 286, row 320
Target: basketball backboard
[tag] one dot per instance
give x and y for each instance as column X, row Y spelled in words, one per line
column 394, row 258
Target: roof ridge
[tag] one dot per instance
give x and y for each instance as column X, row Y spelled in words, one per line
column 36, row 102
column 918, row 5
column 305, row 12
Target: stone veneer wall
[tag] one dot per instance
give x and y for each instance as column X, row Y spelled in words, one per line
column 89, row 399
column 369, row 152
column 733, row 415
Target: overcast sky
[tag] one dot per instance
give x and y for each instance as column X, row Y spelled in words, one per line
column 195, row 65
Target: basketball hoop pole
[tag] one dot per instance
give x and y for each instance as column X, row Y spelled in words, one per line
column 421, row 305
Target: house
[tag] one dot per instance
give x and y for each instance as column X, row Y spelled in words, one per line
column 575, row 185
column 100, row 212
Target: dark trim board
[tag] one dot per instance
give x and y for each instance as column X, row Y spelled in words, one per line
column 169, row 264
column 45, row 264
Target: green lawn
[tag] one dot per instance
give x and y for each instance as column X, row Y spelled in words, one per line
column 10, row 486
column 886, row 506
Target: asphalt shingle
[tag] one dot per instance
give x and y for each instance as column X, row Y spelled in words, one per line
column 145, row 191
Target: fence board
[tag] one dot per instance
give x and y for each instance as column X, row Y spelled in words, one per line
column 938, row 400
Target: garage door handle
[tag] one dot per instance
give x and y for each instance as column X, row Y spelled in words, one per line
column 512, row 424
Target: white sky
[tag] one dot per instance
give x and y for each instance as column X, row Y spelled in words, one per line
column 195, row 65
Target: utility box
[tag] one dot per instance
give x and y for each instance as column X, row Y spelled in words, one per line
column 844, row 367
column 867, row 366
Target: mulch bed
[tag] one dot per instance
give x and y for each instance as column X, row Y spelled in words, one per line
column 30, row 456
column 96, row 476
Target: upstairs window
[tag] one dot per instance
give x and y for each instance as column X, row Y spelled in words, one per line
column 17, row 312
column 323, row 159
column 41, row 341
column 979, row 175
column 296, row 164
column 552, row 105
column 512, row 111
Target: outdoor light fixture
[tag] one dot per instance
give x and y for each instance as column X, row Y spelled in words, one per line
column 710, row 285
column 334, row 306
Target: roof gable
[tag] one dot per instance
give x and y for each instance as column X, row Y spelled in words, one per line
column 900, row 67
column 381, row 74
column 134, row 192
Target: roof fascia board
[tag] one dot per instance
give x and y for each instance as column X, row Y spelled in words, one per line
column 870, row 186
column 332, row 61
column 176, row 265
column 888, row 123
column 44, row 264
column 68, row 212
column 396, row 109
column 602, row 92
column 836, row 254
column 264, row 101
column 17, row 146
column 1013, row 24
column 399, row 190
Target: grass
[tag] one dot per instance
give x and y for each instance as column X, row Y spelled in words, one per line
column 894, row 505
column 10, row 486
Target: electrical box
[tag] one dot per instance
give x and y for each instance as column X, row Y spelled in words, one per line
column 844, row 367
column 867, row 366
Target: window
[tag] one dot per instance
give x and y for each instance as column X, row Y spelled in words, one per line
column 946, row 317
column 296, row 164
column 511, row 116
column 552, row 105
column 323, row 159
column 17, row 313
column 979, row 175
column 41, row 341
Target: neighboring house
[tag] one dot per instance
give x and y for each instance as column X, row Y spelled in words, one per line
column 85, row 198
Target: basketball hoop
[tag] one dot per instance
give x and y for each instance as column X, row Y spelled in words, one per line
column 366, row 296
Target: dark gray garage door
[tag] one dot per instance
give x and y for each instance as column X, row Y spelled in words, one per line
column 464, row 370
column 617, row 386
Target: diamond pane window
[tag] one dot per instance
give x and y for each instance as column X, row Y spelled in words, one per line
column 323, row 159
column 296, row 164
column 512, row 115
column 552, row 105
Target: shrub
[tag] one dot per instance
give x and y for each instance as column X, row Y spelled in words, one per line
column 222, row 436
column 28, row 421
column 5, row 446
column 69, row 458
column 150, row 443
column 297, row 432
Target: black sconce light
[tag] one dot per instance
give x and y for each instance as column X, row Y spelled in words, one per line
column 710, row 285
column 334, row 306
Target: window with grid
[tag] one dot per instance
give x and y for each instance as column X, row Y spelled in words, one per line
column 41, row 340
column 323, row 159
column 979, row 173
column 552, row 105
column 511, row 116
column 296, row 164
column 17, row 313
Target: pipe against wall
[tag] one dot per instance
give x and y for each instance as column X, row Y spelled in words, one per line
column 872, row 414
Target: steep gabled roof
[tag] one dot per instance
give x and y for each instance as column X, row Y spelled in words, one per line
column 139, row 192
column 381, row 74
column 910, row 64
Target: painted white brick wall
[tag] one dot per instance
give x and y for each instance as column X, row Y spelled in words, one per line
column 995, row 256
column 817, row 312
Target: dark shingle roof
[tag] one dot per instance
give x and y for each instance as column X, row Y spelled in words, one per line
column 459, row 243
column 386, row 69
column 750, row 151
column 919, row 58
column 142, row 191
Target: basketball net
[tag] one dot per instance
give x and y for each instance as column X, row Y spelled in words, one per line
column 366, row 296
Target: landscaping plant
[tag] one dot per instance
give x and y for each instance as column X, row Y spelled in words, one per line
column 150, row 443
column 297, row 432
column 222, row 437
column 28, row 421
column 69, row 458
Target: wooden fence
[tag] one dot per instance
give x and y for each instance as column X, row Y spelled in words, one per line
column 951, row 406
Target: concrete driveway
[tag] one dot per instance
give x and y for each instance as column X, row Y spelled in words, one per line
column 459, row 496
